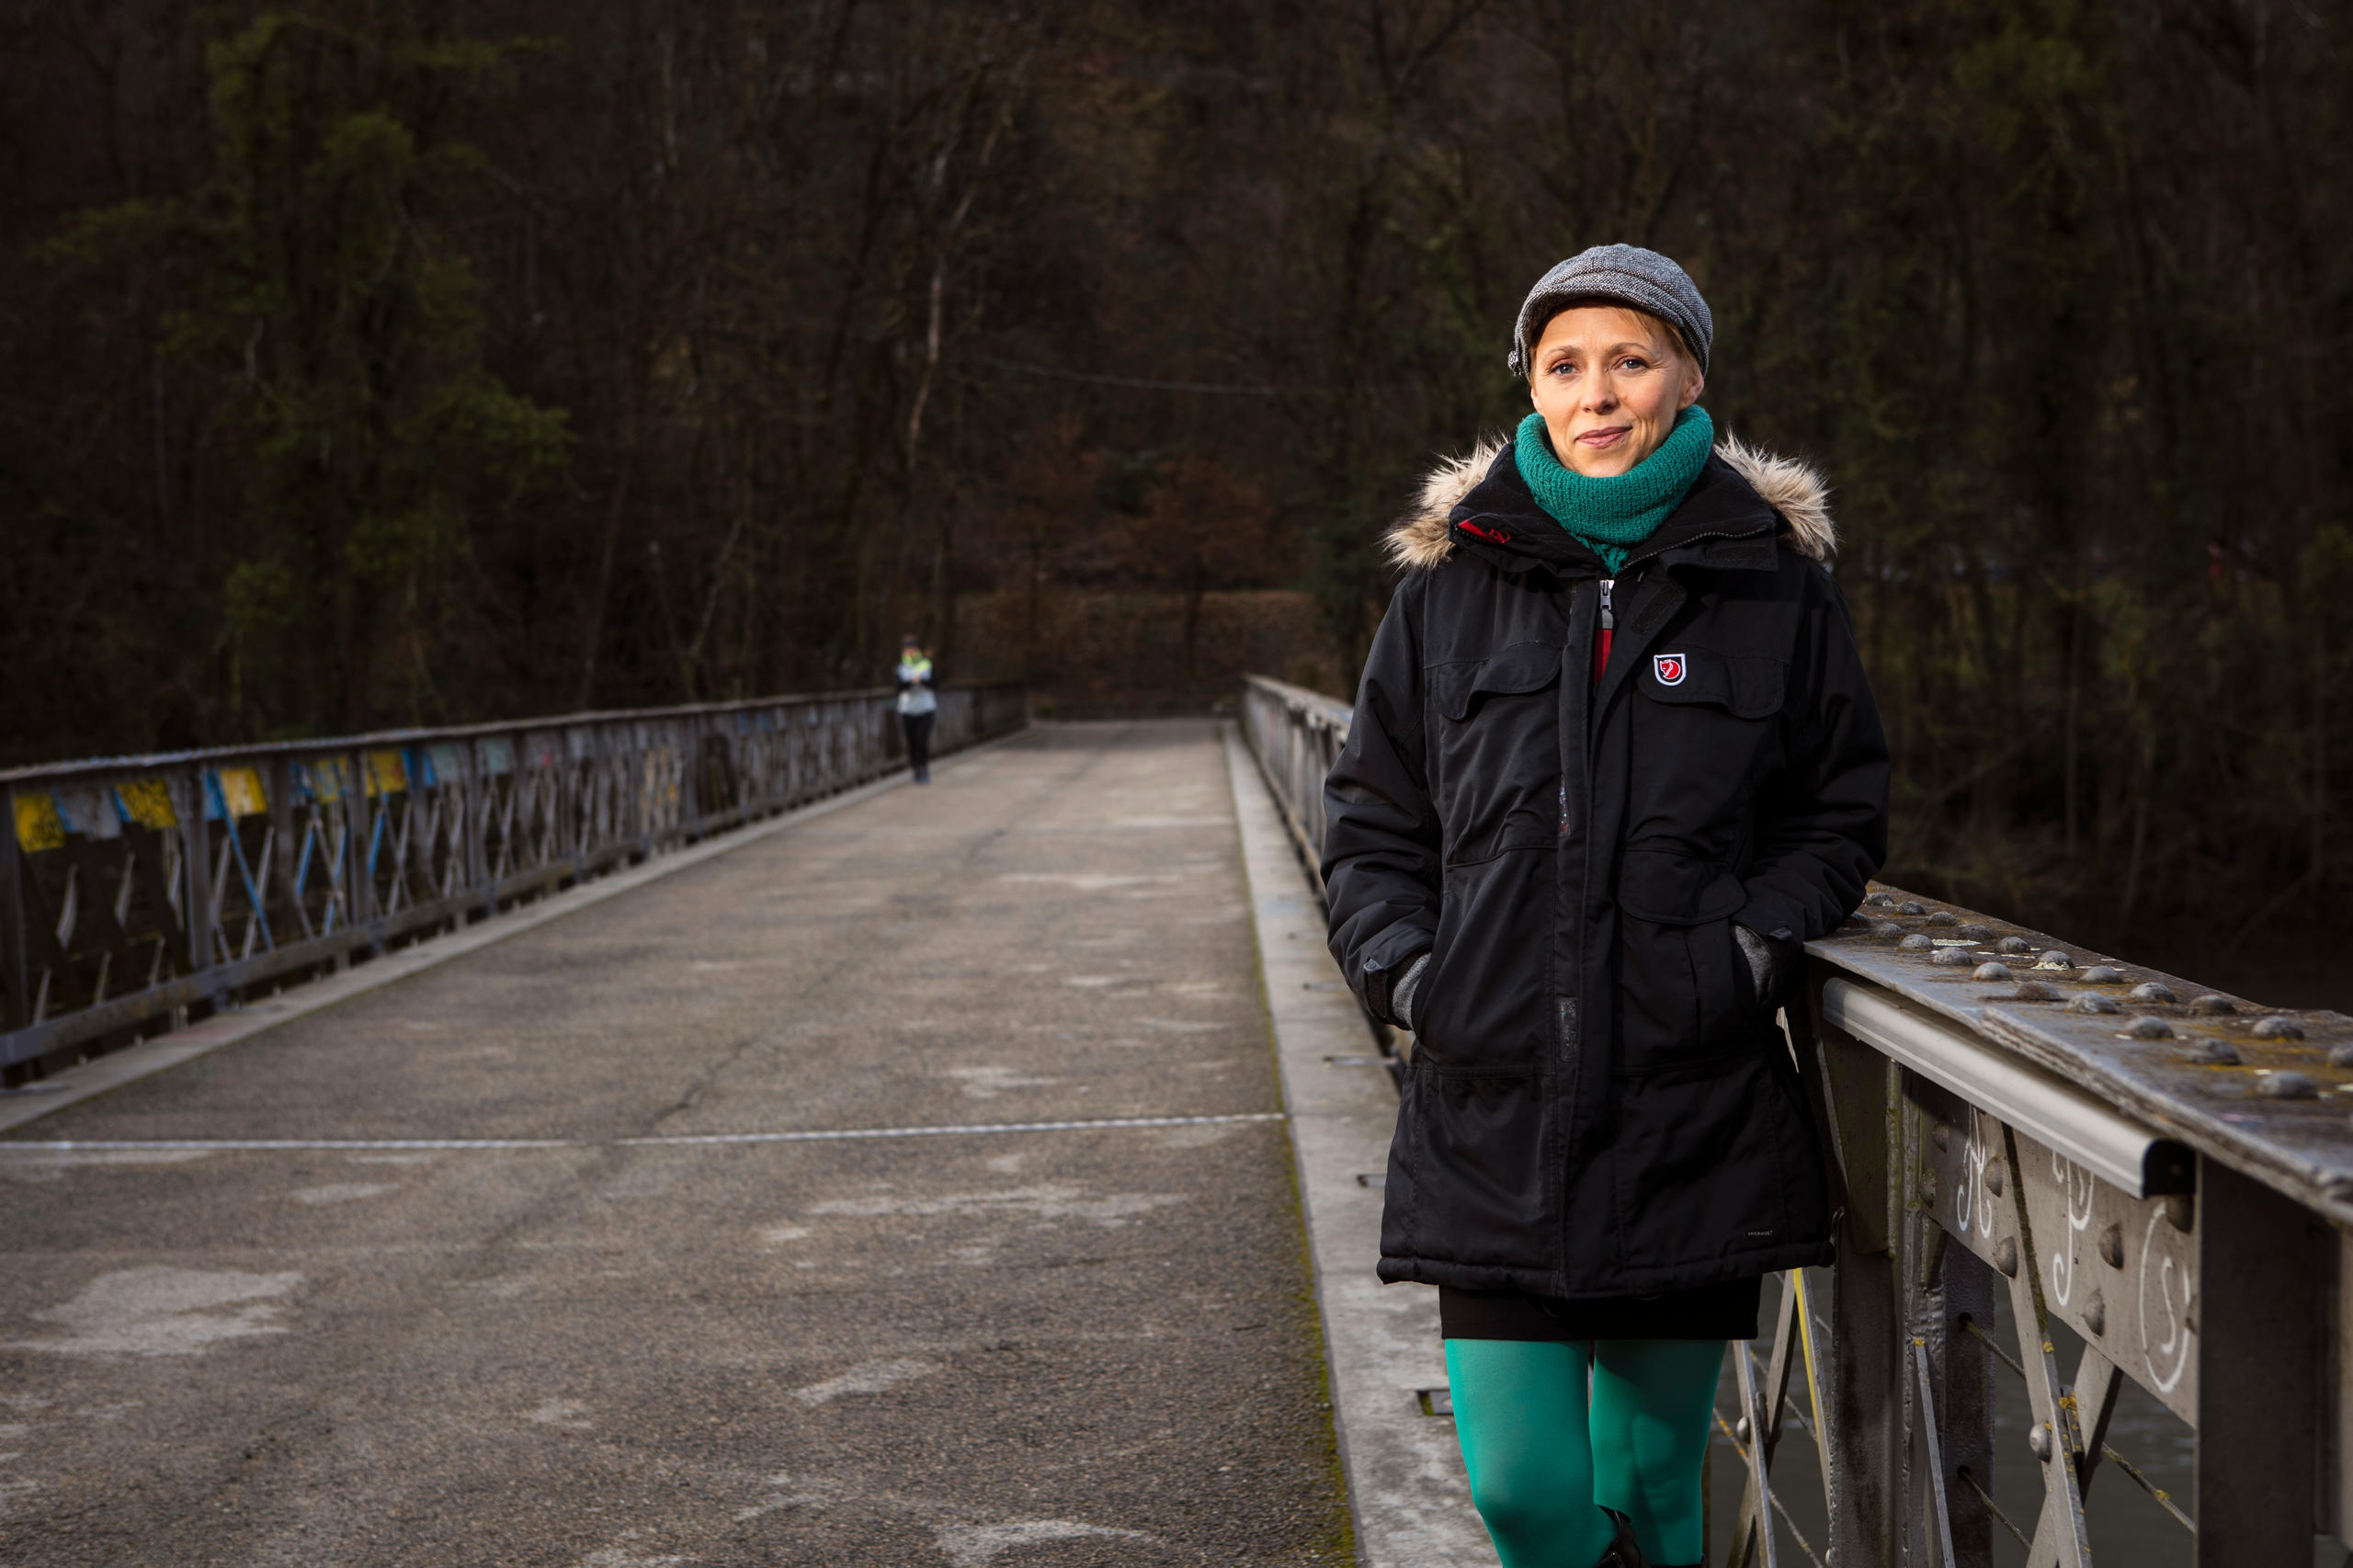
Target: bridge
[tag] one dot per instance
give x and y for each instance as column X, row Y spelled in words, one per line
column 673, row 1137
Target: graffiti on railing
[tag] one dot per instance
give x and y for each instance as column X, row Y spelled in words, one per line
column 134, row 888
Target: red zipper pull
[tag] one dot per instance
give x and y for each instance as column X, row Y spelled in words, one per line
column 1601, row 638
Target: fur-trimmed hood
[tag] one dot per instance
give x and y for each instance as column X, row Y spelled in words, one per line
column 1423, row 538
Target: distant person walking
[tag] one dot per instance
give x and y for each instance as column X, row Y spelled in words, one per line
column 919, row 705
column 1613, row 763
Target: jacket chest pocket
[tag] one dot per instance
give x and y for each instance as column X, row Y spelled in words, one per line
column 1706, row 731
column 1743, row 686
column 1497, row 742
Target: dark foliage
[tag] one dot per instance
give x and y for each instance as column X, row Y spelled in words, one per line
column 373, row 362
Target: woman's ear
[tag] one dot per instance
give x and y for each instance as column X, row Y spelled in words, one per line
column 1691, row 392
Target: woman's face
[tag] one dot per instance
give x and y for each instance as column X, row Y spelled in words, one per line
column 1609, row 382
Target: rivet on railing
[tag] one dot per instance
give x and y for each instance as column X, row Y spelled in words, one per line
column 2211, row 1053
column 2149, row 1029
column 2102, row 974
column 1916, row 943
column 2054, row 958
column 2277, row 1028
column 1975, row 932
column 2014, row 945
column 1994, row 1179
column 1886, row 930
column 2152, row 991
column 2286, row 1085
column 2212, row 1006
column 2035, row 991
column 1953, row 957
column 2037, row 1437
column 2006, row 1257
column 1991, row 971
column 2086, row 1002
column 1911, row 909
column 1944, row 917
column 2111, row 1246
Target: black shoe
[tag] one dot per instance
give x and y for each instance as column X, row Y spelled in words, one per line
column 1622, row 1552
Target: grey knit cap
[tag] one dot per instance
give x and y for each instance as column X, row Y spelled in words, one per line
column 1620, row 275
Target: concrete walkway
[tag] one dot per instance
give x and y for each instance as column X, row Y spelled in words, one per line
column 533, row 1302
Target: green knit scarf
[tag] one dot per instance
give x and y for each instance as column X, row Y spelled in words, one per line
column 1611, row 517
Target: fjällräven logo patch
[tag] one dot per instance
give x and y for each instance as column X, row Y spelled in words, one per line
column 1669, row 668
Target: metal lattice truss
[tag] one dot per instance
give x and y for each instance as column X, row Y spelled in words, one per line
column 1970, row 1176
column 131, row 890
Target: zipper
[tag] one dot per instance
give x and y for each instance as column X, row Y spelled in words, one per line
column 1695, row 538
column 1607, row 631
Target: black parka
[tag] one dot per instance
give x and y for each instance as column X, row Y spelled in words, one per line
column 1597, row 1103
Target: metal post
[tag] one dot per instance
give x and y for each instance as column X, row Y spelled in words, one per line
column 474, row 797
column 2062, row 1536
column 2259, row 1371
column 16, row 952
column 1864, row 1397
column 1963, row 1380
column 1920, row 1279
column 690, row 749
column 359, row 823
column 284, row 849
column 195, row 865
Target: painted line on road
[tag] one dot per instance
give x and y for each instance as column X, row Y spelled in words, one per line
column 674, row 1140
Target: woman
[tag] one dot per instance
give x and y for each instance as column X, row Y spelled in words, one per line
column 919, row 705
column 1613, row 763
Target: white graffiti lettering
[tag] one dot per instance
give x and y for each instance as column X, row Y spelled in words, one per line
column 2168, row 1358
column 2077, row 1184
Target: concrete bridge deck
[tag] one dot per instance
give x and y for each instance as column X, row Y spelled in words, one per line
column 626, row 1339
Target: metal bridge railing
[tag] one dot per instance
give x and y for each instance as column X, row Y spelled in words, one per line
column 2164, row 1169
column 134, row 888
column 1296, row 734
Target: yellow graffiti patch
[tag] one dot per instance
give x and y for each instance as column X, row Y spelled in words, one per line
column 241, row 791
column 387, row 773
column 148, row 803
column 38, row 825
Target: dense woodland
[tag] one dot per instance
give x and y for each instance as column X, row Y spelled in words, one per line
column 371, row 363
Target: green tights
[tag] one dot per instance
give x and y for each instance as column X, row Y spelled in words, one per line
column 1543, row 1465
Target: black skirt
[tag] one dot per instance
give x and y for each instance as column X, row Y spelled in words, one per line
column 1710, row 1311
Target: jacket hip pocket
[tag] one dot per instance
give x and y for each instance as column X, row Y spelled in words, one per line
column 1680, row 977
column 1714, row 1163
column 1471, row 1150
column 1480, row 1003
